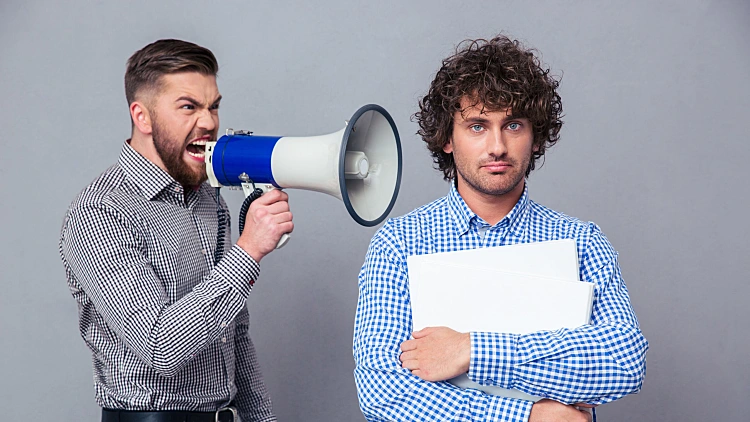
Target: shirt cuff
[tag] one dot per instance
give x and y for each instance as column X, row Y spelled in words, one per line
column 492, row 358
column 238, row 268
column 506, row 409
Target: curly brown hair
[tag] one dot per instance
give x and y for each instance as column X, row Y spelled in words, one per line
column 496, row 74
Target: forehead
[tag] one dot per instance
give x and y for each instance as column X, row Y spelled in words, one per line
column 473, row 108
column 193, row 84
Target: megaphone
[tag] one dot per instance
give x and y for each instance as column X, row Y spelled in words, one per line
column 360, row 164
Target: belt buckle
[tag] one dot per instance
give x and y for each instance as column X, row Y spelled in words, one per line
column 231, row 409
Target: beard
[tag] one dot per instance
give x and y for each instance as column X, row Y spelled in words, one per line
column 494, row 184
column 171, row 152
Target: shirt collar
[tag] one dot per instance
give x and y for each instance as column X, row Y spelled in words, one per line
column 147, row 176
column 463, row 215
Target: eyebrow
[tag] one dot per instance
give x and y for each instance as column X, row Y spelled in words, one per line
column 476, row 119
column 195, row 102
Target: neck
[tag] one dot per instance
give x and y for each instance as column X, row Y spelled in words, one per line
column 490, row 208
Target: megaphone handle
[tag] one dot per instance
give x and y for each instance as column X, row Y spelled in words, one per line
column 248, row 189
column 283, row 241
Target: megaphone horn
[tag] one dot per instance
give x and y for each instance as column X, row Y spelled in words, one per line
column 360, row 164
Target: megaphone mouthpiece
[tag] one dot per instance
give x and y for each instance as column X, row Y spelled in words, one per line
column 356, row 165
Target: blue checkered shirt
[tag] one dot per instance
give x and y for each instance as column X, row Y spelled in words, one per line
column 596, row 363
column 167, row 328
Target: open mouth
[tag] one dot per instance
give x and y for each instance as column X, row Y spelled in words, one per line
column 197, row 148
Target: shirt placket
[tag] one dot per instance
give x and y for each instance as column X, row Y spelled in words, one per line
column 496, row 235
column 207, row 245
column 225, row 339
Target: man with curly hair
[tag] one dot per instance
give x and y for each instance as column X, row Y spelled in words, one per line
column 491, row 112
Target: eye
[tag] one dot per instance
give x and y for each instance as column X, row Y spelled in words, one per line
column 215, row 107
column 514, row 126
column 187, row 107
column 476, row 128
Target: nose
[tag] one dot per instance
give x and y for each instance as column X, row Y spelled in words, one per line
column 207, row 121
column 496, row 143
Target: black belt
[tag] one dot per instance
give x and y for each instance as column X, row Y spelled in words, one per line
column 227, row 414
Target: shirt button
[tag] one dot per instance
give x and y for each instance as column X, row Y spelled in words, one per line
column 203, row 251
column 223, row 339
column 223, row 325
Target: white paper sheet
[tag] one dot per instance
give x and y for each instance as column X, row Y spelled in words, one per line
column 510, row 289
column 553, row 258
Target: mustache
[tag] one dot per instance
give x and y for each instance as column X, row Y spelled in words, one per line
column 200, row 134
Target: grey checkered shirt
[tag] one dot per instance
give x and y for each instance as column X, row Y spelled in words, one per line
column 167, row 329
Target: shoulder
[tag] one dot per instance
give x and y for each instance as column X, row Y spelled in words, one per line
column 594, row 249
column 400, row 232
column 406, row 235
column 555, row 224
column 109, row 194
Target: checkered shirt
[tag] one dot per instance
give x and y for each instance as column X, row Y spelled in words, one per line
column 167, row 329
column 596, row 363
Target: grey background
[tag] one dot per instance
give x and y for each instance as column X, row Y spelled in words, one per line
column 654, row 149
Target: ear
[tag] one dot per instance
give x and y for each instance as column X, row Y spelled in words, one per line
column 141, row 117
column 448, row 147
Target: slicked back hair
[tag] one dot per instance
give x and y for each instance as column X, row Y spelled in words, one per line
column 147, row 65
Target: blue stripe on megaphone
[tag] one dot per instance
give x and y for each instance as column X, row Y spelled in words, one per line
column 249, row 154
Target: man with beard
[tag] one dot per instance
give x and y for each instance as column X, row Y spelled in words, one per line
column 490, row 113
column 162, row 307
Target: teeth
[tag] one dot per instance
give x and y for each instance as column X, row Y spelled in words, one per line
column 199, row 142
column 196, row 154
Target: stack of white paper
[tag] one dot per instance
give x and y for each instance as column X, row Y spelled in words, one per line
column 509, row 289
